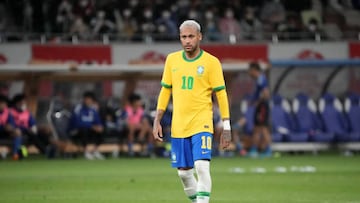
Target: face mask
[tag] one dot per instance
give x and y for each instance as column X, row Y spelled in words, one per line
column 127, row 13
column 193, row 15
column 84, row 3
column 229, row 14
column 148, row 14
column 209, row 15
column 166, row 15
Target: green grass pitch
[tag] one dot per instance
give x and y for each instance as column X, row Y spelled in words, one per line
column 336, row 179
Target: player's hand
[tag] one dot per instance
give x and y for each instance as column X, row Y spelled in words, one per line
column 157, row 131
column 225, row 139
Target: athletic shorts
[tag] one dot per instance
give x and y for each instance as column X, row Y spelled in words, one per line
column 185, row 151
column 261, row 114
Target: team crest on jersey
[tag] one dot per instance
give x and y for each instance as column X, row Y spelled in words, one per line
column 200, row 70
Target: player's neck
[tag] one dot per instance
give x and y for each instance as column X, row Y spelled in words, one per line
column 193, row 54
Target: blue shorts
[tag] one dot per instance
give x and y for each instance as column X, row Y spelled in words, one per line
column 184, row 151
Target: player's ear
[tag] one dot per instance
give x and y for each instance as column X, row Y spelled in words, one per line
column 200, row 36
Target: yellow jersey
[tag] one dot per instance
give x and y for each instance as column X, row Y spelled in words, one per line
column 192, row 83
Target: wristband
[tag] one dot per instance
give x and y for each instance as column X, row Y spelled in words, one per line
column 226, row 124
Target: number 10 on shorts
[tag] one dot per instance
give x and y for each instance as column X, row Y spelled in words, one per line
column 206, row 142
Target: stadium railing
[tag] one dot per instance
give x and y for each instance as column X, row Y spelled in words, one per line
column 152, row 37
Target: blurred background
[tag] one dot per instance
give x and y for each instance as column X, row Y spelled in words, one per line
column 54, row 51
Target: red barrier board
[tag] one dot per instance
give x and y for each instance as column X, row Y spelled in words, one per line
column 84, row 54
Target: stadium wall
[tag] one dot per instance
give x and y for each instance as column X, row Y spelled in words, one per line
column 302, row 78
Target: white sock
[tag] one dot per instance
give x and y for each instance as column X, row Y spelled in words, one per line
column 204, row 181
column 189, row 183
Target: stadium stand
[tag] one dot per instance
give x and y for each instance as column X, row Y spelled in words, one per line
column 148, row 21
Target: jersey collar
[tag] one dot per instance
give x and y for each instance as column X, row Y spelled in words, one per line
column 194, row 59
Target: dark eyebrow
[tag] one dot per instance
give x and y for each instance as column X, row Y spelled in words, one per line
column 190, row 35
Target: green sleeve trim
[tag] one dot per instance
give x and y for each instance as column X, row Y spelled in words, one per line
column 194, row 59
column 219, row 88
column 166, row 85
column 203, row 194
column 193, row 197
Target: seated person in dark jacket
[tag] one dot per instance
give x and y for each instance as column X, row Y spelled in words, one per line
column 86, row 126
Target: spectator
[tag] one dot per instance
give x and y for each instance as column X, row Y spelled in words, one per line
column 102, row 25
column 146, row 24
column 28, row 16
column 312, row 29
column 26, row 122
column 64, row 17
column 166, row 26
column 251, row 27
column 85, row 9
column 86, row 127
column 229, row 26
column 273, row 13
column 138, row 123
column 80, row 28
column 211, row 29
column 128, row 25
column 292, row 29
column 8, row 128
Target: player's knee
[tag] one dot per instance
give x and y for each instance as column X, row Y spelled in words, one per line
column 185, row 174
column 203, row 173
column 202, row 167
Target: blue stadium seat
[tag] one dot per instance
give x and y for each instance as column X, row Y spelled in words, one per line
column 352, row 112
column 333, row 120
column 305, row 118
column 280, row 118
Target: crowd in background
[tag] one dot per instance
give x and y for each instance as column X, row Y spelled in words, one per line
column 139, row 20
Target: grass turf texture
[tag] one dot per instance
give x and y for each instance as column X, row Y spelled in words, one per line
column 337, row 179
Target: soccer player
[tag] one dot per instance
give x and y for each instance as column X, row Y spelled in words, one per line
column 260, row 99
column 190, row 76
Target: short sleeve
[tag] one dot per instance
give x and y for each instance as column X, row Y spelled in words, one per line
column 216, row 76
column 166, row 80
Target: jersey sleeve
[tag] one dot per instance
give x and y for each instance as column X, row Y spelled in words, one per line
column 166, row 80
column 216, row 76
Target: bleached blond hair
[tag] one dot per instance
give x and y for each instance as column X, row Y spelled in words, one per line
column 190, row 23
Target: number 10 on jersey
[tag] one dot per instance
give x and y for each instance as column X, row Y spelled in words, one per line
column 187, row 82
column 206, row 142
